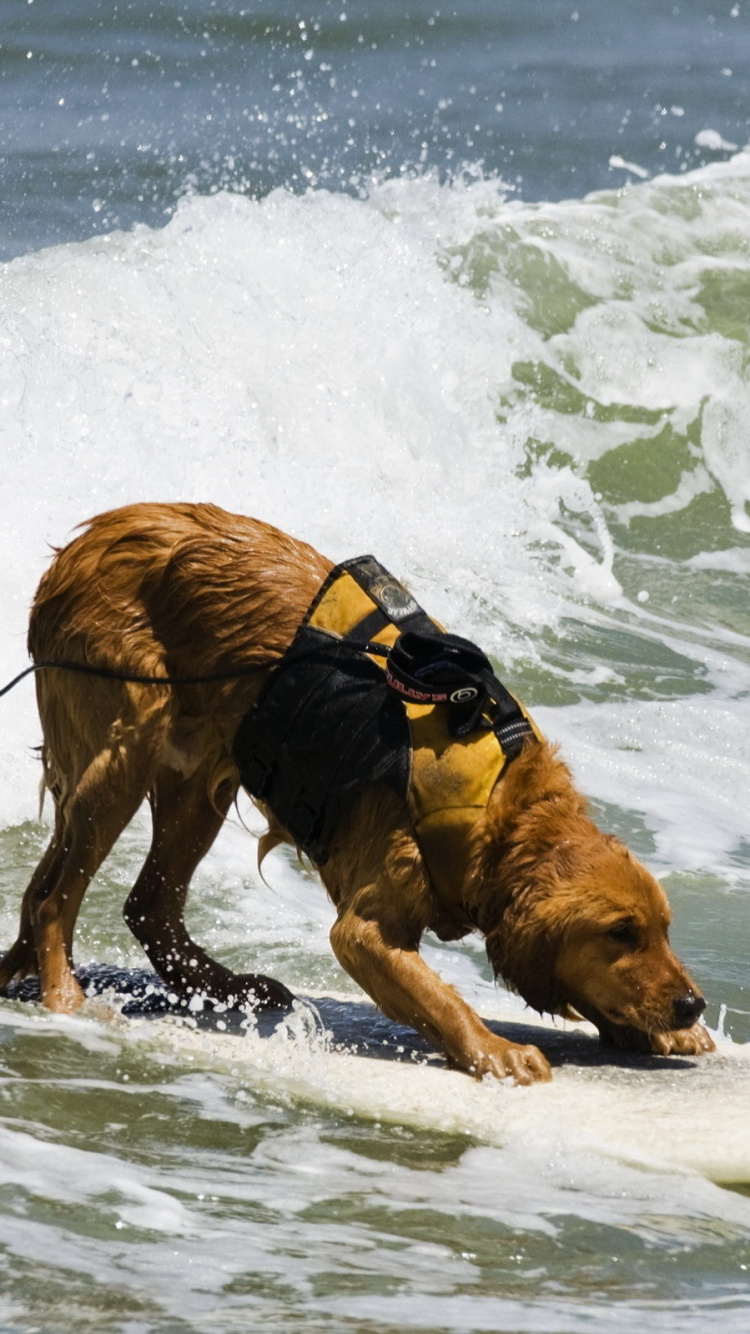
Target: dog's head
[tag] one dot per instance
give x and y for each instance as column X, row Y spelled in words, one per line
column 591, row 935
column 580, row 924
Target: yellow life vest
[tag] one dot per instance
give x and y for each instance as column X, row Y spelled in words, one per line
column 447, row 779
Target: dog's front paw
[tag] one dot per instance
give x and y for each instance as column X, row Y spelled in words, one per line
column 524, row 1065
column 678, row 1042
column 693, row 1041
column 261, row 993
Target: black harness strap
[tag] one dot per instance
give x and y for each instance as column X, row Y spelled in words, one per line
column 324, row 727
column 330, row 722
column 451, row 670
column 428, row 666
column 395, row 604
column 368, row 627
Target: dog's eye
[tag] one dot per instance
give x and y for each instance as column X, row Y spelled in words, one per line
column 625, row 933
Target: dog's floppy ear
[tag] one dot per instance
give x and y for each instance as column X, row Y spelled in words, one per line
column 524, row 945
column 522, row 950
column 524, row 883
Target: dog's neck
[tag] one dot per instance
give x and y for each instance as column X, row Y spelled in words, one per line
column 531, row 813
column 534, row 818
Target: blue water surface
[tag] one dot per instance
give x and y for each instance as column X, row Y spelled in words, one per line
column 110, row 112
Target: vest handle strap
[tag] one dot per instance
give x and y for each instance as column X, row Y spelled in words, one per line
column 447, row 669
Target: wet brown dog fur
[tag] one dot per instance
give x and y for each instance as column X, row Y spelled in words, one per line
column 572, row 921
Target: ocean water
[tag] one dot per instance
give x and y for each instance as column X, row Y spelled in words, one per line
column 467, row 287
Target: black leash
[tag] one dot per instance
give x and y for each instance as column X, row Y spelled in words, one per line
column 110, row 673
column 426, row 668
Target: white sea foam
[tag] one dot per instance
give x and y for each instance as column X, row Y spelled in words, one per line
column 302, row 359
column 308, row 360
column 679, row 763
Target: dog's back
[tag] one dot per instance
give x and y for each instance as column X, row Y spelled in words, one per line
column 188, row 584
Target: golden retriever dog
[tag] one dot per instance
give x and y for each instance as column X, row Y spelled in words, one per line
column 571, row 920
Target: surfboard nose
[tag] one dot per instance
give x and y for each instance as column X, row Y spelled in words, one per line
column 687, row 1008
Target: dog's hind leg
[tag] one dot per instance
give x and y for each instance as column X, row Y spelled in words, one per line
column 186, row 821
column 104, row 801
column 20, row 959
column 102, row 747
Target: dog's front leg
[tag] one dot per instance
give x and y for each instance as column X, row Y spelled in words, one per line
column 387, row 965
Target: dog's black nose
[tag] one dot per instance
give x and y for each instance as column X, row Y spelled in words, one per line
column 687, row 1008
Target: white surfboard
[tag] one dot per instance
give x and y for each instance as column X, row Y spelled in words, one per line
column 671, row 1112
